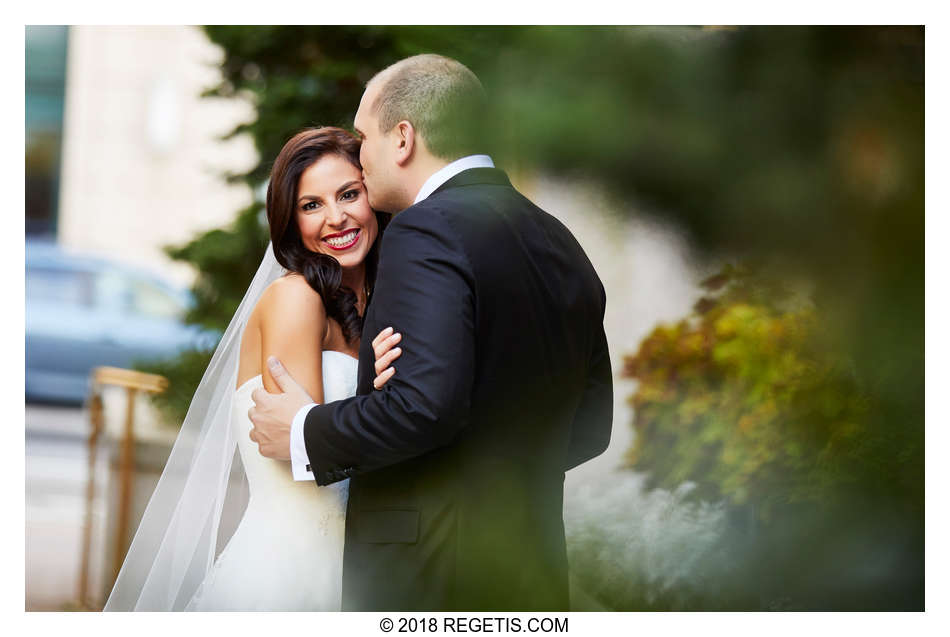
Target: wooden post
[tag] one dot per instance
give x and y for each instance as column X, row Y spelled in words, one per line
column 126, row 465
column 95, row 419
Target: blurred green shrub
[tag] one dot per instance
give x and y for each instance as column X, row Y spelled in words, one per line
column 741, row 399
column 745, row 399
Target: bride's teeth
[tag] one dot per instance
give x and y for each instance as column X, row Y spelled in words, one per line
column 342, row 241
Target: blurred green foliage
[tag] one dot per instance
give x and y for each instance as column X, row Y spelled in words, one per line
column 745, row 399
column 739, row 399
column 799, row 148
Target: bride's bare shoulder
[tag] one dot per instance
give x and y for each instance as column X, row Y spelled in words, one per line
column 290, row 299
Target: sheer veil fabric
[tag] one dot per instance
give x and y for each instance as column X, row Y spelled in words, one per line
column 176, row 542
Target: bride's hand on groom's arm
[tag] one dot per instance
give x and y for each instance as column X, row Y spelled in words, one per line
column 385, row 352
column 272, row 414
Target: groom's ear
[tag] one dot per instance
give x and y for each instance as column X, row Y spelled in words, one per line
column 405, row 142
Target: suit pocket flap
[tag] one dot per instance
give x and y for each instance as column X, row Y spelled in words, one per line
column 381, row 527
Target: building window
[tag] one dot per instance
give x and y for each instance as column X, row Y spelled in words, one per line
column 45, row 97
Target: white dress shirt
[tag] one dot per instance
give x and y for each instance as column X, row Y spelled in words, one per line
column 299, row 460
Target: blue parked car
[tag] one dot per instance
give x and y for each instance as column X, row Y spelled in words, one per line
column 83, row 312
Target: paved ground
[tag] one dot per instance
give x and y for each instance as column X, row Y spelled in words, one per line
column 56, row 477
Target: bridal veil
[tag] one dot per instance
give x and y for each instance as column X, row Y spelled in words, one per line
column 178, row 537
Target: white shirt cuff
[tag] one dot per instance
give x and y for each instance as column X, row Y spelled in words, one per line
column 299, row 461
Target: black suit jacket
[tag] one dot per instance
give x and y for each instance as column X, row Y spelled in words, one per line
column 457, row 465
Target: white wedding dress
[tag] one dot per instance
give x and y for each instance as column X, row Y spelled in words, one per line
column 287, row 552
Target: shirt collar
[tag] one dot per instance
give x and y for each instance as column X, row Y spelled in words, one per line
column 445, row 173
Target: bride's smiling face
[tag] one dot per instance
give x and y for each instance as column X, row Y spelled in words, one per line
column 333, row 212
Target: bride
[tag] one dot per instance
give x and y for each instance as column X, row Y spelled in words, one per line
column 304, row 306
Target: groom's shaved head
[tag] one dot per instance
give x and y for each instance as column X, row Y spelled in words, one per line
column 440, row 96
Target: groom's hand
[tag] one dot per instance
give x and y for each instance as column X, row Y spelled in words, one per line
column 273, row 413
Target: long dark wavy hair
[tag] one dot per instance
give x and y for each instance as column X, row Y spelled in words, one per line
column 322, row 271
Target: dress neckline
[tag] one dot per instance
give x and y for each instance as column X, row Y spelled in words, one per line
column 326, row 351
column 333, row 351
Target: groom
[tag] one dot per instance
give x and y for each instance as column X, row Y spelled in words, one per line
column 457, row 465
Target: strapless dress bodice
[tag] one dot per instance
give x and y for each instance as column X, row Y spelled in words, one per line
column 287, row 552
column 267, row 477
